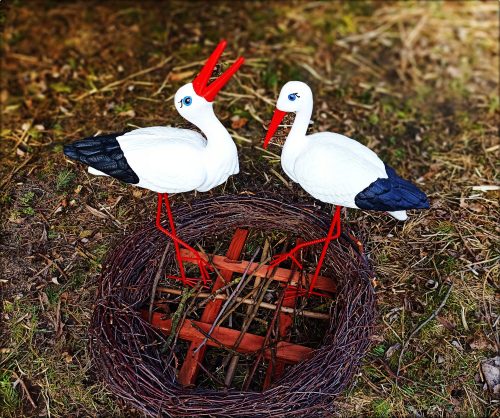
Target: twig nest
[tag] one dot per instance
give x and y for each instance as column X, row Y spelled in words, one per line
column 127, row 350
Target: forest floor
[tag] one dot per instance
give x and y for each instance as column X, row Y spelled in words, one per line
column 415, row 81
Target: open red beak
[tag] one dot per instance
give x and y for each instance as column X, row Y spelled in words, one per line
column 275, row 122
column 200, row 83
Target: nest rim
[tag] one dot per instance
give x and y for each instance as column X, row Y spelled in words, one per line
column 125, row 349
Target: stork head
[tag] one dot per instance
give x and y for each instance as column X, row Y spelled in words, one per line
column 194, row 99
column 294, row 96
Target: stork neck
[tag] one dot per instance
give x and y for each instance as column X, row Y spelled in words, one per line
column 301, row 122
column 299, row 128
column 215, row 132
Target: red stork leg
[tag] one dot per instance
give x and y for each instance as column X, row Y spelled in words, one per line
column 329, row 238
column 203, row 265
column 326, row 240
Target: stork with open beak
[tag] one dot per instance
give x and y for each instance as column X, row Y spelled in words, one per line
column 336, row 169
column 171, row 160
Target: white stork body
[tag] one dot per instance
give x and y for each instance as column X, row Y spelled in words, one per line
column 333, row 168
column 167, row 159
column 174, row 160
column 336, row 169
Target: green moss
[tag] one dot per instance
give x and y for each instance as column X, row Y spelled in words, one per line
column 445, row 227
column 494, row 104
column 29, row 211
column 65, row 180
column 100, row 252
column 25, row 201
column 270, row 77
column 381, row 409
column 399, row 154
column 374, row 119
column 61, row 88
column 8, row 307
column 9, row 398
column 124, row 107
column 447, row 264
column 53, row 294
column 26, row 198
column 378, row 350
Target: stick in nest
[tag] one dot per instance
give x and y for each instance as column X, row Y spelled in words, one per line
column 229, row 300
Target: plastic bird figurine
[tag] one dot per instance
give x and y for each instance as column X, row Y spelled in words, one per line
column 171, row 160
column 336, row 169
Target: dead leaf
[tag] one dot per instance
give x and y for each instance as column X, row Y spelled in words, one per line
column 377, row 338
column 68, row 358
column 238, row 122
column 181, row 76
column 481, row 343
column 95, row 212
column 130, row 113
column 86, row 233
column 450, row 326
column 45, row 298
column 491, row 373
column 391, row 350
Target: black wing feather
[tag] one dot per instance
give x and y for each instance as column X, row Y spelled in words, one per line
column 391, row 194
column 104, row 154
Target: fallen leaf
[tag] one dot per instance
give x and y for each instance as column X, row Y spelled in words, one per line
column 180, row 76
column 68, row 358
column 95, row 212
column 491, row 373
column 129, row 113
column 481, row 343
column 391, row 350
column 450, row 326
column 238, row 122
column 86, row 233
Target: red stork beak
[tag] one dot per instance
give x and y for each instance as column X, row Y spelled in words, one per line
column 275, row 122
column 200, row 83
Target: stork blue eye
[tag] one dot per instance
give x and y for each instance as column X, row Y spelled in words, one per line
column 187, row 100
column 292, row 96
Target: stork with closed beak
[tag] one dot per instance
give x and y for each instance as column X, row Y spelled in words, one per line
column 171, row 160
column 336, row 169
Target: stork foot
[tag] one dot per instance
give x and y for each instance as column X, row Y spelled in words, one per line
column 203, row 265
column 280, row 258
column 189, row 281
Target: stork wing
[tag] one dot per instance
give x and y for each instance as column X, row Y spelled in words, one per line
column 166, row 160
column 335, row 168
column 104, row 154
column 392, row 194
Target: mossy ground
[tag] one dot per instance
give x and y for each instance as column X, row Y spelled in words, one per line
column 415, row 81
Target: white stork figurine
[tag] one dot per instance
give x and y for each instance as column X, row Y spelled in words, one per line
column 171, row 160
column 336, row 169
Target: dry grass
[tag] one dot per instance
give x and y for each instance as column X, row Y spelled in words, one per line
column 417, row 82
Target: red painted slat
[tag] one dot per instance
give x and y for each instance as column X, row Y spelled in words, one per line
column 190, row 367
column 276, row 370
column 280, row 275
column 285, row 351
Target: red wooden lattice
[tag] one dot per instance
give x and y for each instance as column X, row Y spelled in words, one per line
column 284, row 352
